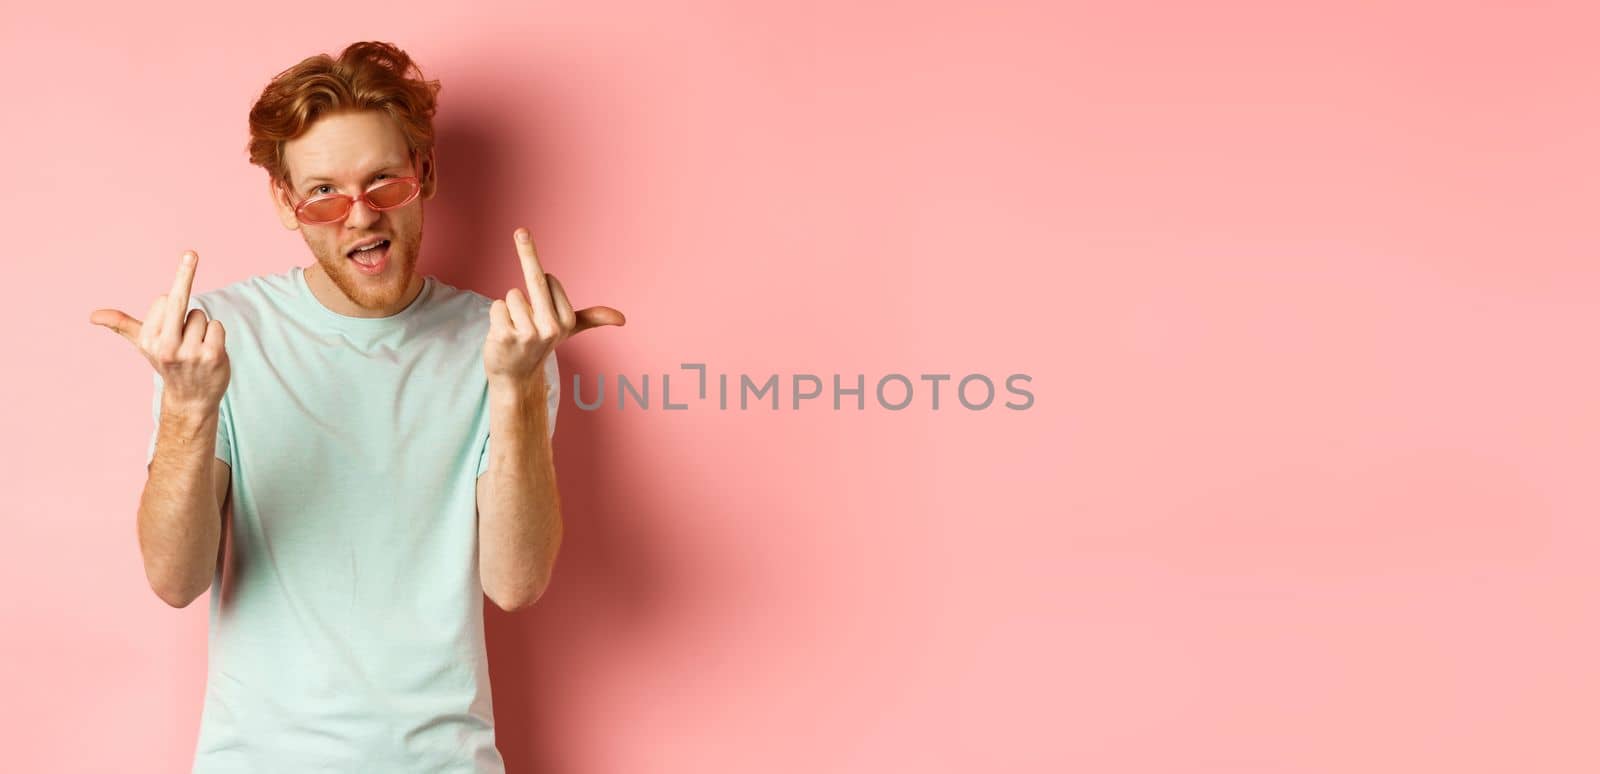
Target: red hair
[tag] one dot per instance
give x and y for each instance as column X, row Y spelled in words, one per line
column 366, row 76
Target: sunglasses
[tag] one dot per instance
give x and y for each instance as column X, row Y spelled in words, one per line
column 384, row 195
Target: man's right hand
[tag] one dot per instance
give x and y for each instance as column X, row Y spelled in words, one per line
column 188, row 351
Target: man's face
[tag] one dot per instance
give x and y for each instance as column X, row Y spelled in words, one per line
column 346, row 153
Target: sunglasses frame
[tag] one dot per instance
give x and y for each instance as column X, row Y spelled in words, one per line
column 350, row 201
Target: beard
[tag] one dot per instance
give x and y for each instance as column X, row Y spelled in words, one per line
column 375, row 294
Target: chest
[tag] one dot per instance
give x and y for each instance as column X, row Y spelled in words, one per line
column 355, row 414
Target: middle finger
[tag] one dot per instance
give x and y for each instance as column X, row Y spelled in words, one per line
column 178, row 299
column 533, row 274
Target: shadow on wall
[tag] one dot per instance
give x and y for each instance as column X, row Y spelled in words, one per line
column 608, row 586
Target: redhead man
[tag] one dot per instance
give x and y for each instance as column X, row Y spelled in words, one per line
column 322, row 457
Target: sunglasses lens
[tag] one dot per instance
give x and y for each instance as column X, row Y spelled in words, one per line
column 324, row 210
column 391, row 194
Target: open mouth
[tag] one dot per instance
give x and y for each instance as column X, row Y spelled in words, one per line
column 371, row 259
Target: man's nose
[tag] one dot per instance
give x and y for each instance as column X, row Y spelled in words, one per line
column 361, row 216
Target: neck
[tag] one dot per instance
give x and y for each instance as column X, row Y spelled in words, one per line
column 332, row 297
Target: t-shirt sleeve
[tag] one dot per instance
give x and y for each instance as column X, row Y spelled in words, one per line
column 552, row 381
column 224, row 449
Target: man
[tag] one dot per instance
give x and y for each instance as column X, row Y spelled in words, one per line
column 325, row 466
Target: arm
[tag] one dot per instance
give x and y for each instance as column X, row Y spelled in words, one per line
column 179, row 521
column 180, row 510
column 519, row 507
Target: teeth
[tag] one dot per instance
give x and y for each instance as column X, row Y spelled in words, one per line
column 369, row 248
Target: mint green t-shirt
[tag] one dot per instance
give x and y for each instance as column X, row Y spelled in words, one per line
column 346, row 624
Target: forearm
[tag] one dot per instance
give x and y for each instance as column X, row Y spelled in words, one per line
column 519, row 527
column 180, row 524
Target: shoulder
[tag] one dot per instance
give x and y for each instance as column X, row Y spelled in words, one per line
column 459, row 307
column 245, row 296
column 446, row 294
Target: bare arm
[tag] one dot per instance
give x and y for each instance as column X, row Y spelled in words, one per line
column 519, row 507
column 181, row 516
column 180, row 522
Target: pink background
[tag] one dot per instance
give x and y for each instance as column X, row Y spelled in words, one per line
column 1307, row 297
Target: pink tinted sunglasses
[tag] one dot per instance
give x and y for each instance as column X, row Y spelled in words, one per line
column 384, row 195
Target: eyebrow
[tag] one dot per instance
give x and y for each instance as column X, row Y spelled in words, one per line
column 304, row 184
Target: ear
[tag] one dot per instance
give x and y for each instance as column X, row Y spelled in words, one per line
column 280, row 202
column 426, row 168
